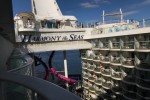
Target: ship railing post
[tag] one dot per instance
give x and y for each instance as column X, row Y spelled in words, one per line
column 65, row 67
column 143, row 22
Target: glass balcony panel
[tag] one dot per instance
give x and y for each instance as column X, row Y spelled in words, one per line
column 117, row 75
column 105, row 45
column 12, row 91
column 144, row 65
column 98, row 81
column 105, row 71
column 115, row 45
column 116, row 60
column 128, row 62
column 143, row 74
column 105, row 58
column 143, row 92
column 130, row 95
column 144, row 45
column 143, row 83
column 127, row 72
column 128, row 45
column 129, row 87
column 129, row 79
column 83, row 55
column 97, row 70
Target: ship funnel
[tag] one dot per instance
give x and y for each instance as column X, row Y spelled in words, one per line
column 46, row 8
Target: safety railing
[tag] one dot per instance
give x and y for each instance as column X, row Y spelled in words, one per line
column 42, row 89
column 144, row 45
column 128, row 45
column 115, row 45
column 128, row 61
column 116, row 60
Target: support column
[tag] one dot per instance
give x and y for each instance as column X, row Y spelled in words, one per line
column 65, row 66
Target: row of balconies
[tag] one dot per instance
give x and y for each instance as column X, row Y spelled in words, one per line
column 142, row 46
column 129, row 81
column 128, row 62
column 118, row 87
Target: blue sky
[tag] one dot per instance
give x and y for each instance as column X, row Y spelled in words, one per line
column 91, row 10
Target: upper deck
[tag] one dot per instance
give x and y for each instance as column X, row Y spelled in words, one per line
column 46, row 35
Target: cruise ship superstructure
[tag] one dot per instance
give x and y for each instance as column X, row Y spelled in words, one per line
column 115, row 55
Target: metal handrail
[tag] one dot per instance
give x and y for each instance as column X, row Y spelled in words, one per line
column 46, row 89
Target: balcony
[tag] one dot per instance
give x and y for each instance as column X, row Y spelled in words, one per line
column 83, row 56
column 115, row 46
column 116, row 75
column 106, row 84
column 98, row 82
column 128, row 62
column 145, row 93
column 85, row 85
column 143, row 74
column 105, row 46
column 116, row 87
column 143, row 83
column 129, row 95
column 116, row 61
column 144, row 46
column 97, row 70
column 143, row 66
column 96, row 58
column 128, row 46
column 127, row 72
column 91, row 79
column 105, row 59
column 105, row 72
column 129, row 87
column 92, row 89
column 128, row 79
column 85, row 76
column 91, row 68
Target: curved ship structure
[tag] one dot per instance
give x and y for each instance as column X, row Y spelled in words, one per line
column 115, row 55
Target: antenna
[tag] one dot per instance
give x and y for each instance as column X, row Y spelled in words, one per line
column 121, row 15
column 103, row 17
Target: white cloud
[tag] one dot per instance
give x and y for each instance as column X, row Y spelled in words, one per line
column 134, row 6
column 93, row 4
column 130, row 13
column 89, row 5
column 145, row 2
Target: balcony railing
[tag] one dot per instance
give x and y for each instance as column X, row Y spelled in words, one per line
column 115, row 45
column 128, row 45
column 128, row 62
column 144, row 65
column 91, row 79
column 42, row 88
column 91, row 89
column 97, row 70
column 105, row 58
column 143, row 83
column 116, row 60
column 91, row 68
column 145, row 93
column 106, row 84
column 105, row 45
column 144, row 45
column 98, row 81
column 83, row 55
column 116, row 75
column 105, row 72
